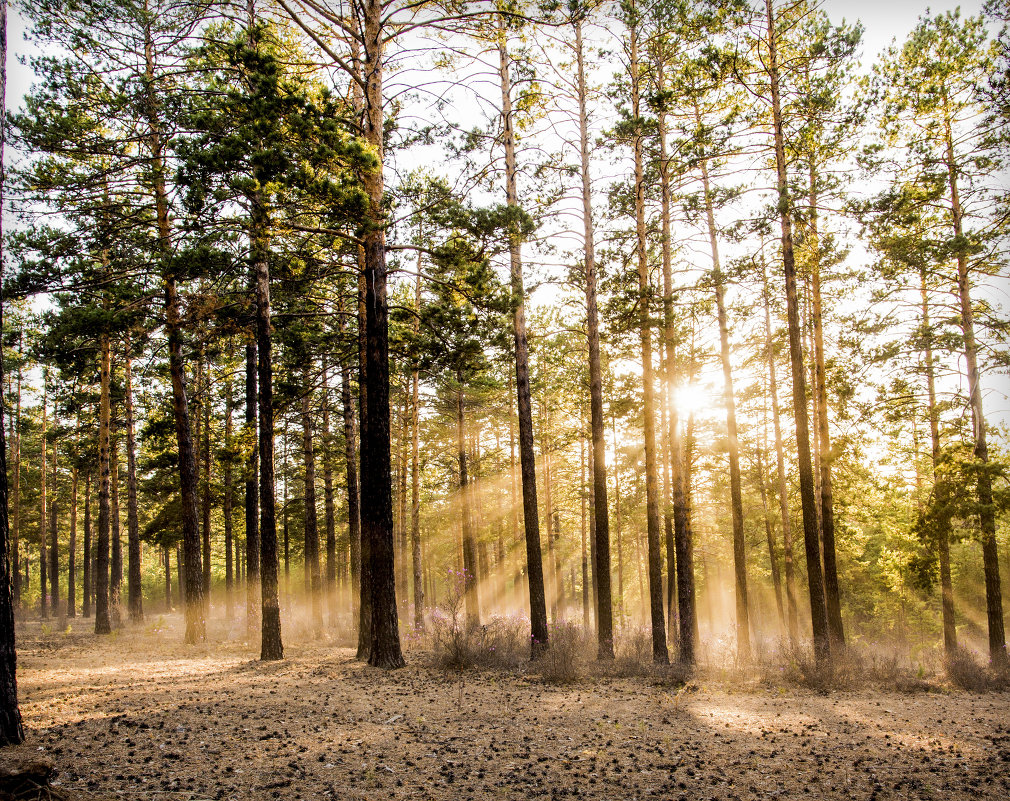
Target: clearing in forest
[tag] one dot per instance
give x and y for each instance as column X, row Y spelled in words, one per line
column 140, row 716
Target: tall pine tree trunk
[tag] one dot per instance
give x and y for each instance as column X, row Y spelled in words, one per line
column 43, row 558
column 14, row 544
column 228, row 507
column 311, row 516
column 271, row 647
column 54, row 545
column 135, row 601
column 204, row 387
column 196, row 626
column 987, row 518
column 811, row 540
column 252, row 517
column 729, row 397
column 943, row 538
column 72, row 549
column 86, row 560
column 103, row 623
column 659, row 649
column 787, row 537
column 415, row 469
column 116, row 564
column 377, row 514
column 328, row 504
column 11, row 731
column 527, row 458
column 470, row 578
column 832, row 596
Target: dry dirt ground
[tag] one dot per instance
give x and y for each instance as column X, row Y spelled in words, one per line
column 141, row 716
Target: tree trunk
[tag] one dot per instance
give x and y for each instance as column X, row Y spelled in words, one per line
column 736, row 493
column 470, row 599
column 987, row 519
column 181, row 575
column 831, row 590
column 271, row 647
column 770, row 535
column 252, row 528
column 328, row 505
column 402, row 581
column 43, row 558
column 11, row 730
column 116, row 581
column 415, row 469
column 527, row 458
column 586, row 618
column 377, row 515
column 811, row 540
column 943, row 539
column 103, row 624
column 551, row 586
column 787, row 537
column 353, row 513
column 167, row 559
column 196, row 627
column 205, row 388
column 135, row 600
column 228, row 507
column 659, row 650
column 72, row 548
column 315, row 582
column 364, row 551
column 54, row 546
column 14, row 544
column 86, row 551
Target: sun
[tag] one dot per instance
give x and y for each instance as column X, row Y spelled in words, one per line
column 691, row 398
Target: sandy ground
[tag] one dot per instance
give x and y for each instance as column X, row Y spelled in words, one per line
column 140, row 716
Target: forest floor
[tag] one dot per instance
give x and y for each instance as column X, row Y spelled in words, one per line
column 138, row 715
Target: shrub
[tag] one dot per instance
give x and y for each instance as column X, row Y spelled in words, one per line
column 966, row 672
column 502, row 642
column 562, row 660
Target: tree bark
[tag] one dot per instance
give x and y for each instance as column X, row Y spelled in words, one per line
column 736, row 493
column 72, row 548
column 811, row 540
column 271, row 647
column 252, row 528
column 831, row 590
column 943, row 538
column 470, row 599
column 11, row 730
column 135, row 601
column 328, row 504
column 415, row 468
column 792, row 625
column 43, row 550
column 103, row 623
column 228, row 506
column 204, row 387
column 770, row 536
column 14, row 544
column 987, row 518
column 315, row 587
column 166, row 556
column 377, row 515
column 86, row 550
column 196, row 627
column 54, row 545
column 116, row 564
column 659, row 649
column 527, row 458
